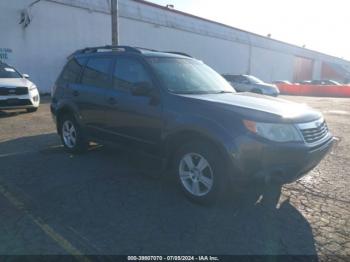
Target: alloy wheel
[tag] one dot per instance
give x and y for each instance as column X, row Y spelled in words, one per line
column 196, row 174
column 69, row 134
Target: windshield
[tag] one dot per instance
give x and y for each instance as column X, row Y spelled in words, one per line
column 332, row 82
column 254, row 80
column 187, row 76
column 8, row 72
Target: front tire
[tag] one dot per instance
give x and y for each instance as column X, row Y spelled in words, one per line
column 72, row 136
column 200, row 172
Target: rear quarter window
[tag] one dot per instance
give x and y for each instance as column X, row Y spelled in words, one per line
column 228, row 77
column 72, row 71
column 234, row 78
column 97, row 72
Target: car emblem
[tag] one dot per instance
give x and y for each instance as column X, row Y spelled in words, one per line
column 12, row 91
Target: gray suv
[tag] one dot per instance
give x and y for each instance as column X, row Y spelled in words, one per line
column 184, row 113
column 248, row 83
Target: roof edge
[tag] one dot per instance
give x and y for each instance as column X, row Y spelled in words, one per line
column 232, row 27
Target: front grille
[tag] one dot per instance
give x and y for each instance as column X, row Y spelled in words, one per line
column 8, row 91
column 15, row 102
column 314, row 134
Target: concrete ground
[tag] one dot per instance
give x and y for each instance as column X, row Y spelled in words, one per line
column 111, row 202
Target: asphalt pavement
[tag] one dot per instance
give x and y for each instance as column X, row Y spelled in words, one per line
column 108, row 201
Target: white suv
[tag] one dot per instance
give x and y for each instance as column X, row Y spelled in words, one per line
column 16, row 91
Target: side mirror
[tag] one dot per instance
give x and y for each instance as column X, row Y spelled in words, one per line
column 142, row 89
column 25, row 76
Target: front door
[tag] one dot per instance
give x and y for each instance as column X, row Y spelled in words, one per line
column 134, row 118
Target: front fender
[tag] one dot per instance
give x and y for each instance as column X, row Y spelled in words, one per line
column 202, row 126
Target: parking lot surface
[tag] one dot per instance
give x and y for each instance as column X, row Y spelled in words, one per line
column 113, row 202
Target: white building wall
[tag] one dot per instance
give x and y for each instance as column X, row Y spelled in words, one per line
column 270, row 65
column 223, row 55
column 56, row 31
column 317, row 69
column 59, row 27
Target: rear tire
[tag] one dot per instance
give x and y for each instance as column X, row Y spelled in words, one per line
column 72, row 136
column 200, row 172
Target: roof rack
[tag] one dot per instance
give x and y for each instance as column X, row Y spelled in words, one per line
column 96, row 49
column 177, row 53
column 145, row 49
column 169, row 52
column 138, row 50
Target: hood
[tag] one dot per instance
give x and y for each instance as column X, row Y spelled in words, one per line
column 15, row 82
column 259, row 107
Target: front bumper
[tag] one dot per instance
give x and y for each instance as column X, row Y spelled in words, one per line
column 277, row 163
column 271, row 92
column 30, row 100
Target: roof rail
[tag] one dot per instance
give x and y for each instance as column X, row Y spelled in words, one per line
column 96, row 49
column 178, row 53
column 137, row 50
column 145, row 49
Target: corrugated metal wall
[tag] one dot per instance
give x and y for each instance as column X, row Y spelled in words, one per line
column 303, row 68
column 59, row 27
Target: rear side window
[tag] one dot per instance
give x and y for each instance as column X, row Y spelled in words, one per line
column 129, row 72
column 96, row 72
column 72, row 71
column 241, row 79
column 233, row 78
column 229, row 77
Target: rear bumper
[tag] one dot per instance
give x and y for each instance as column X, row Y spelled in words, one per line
column 279, row 164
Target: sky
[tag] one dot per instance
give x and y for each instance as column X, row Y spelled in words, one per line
column 321, row 25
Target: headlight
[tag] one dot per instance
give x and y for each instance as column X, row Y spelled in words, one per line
column 32, row 88
column 274, row 132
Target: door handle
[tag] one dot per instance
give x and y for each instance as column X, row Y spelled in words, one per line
column 112, row 101
column 75, row 93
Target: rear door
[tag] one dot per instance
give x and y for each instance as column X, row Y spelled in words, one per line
column 134, row 118
column 69, row 78
column 90, row 94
